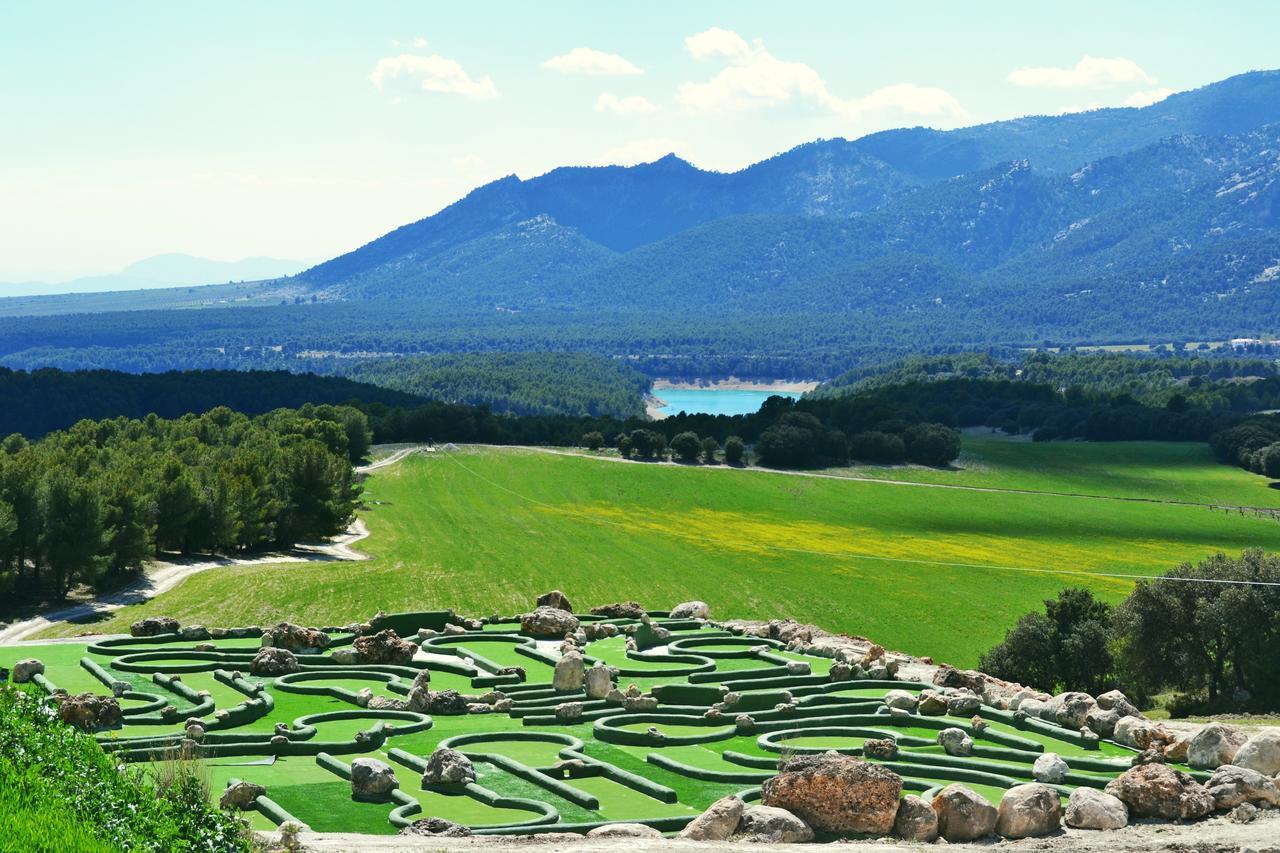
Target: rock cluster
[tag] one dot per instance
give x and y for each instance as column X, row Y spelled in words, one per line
column 384, row 647
column 270, row 661
column 295, row 638
column 619, row 610
column 152, row 626
column 89, row 712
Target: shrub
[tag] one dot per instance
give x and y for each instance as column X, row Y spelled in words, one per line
column 1063, row 648
column 59, row 786
column 710, row 447
column 687, row 446
column 593, row 440
column 873, row 446
column 735, row 450
column 932, row 444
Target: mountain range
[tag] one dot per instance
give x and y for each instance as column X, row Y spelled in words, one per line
column 172, row 269
column 1111, row 226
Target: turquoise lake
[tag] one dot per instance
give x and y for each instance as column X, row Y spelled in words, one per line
column 715, row 402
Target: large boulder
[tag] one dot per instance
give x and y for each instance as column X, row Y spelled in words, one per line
column 902, row 699
column 772, row 825
column 271, row 661
column 448, row 767
column 89, row 712
column 27, row 669
column 1158, row 790
column 930, row 703
column 648, row 635
column 548, row 622
column 1050, row 769
column 837, row 793
column 436, row 827
column 296, row 638
column 619, row 610
column 194, row 633
column 599, row 681
column 691, row 610
column 1260, row 752
column 556, row 599
column 384, row 647
column 1114, row 700
column 447, row 703
column 152, row 626
column 372, row 781
column 1136, row 732
column 956, row 742
column 241, row 796
column 1230, row 786
column 963, row 814
column 949, row 676
column 1073, row 709
column 916, row 820
column 718, row 823
column 1089, row 808
column 1102, row 722
column 963, row 703
column 1028, row 811
column 569, row 673
column 1215, row 745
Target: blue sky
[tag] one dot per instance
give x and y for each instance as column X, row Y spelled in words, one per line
column 301, row 130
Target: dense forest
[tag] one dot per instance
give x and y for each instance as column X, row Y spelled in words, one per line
column 537, row 383
column 48, row 399
column 90, row 504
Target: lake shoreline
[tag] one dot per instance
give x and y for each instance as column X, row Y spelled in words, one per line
column 790, row 386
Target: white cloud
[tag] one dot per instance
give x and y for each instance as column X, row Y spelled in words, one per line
column 420, row 43
column 1147, row 97
column 624, row 106
column 1091, row 72
column 638, row 151
column 717, row 42
column 467, row 163
column 585, row 60
column 431, row 74
column 755, row 78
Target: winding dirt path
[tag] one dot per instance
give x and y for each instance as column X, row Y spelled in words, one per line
column 161, row 577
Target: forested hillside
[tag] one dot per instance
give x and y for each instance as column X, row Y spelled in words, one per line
column 91, row 504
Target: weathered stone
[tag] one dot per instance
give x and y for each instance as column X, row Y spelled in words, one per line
column 569, row 673
column 691, row 610
column 271, row 661
column 555, row 599
column 1260, row 752
column 916, row 820
column 599, row 681
column 963, row 703
column 624, row 830
column 345, row 657
column 1102, row 722
column 1089, row 808
column 548, row 622
column 836, row 793
column 387, row 703
column 649, row 636
column 569, row 712
column 89, row 712
column 1114, row 700
column 1050, row 768
column 448, row 703
column 1073, row 709
column 718, row 823
column 241, row 796
column 931, row 703
column 1135, row 732
column 517, row 671
column 744, row 723
column 955, row 742
column 1175, row 751
column 194, row 632
column 364, row 697
column 372, row 781
column 840, row 671
column 949, row 676
column 296, row 638
column 27, row 669
column 419, row 700
column 448, row 767
column 773, row 825
column 1230, row 786
column 963, row 814
column 1215, row 745
column 384, row 647
column 619, row 610
column 1029, row 811
column 903, row 699
column 152, row 626
column 1158, row 790
column 436, row 827
column 640, row 704
column 1243, row 813
column 881, row 749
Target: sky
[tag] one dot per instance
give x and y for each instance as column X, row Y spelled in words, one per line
column 301, row 130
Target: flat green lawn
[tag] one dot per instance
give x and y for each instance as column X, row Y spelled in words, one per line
column 1153, row 470
column 938, row 572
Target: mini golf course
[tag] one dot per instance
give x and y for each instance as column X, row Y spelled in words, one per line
column 651, row 755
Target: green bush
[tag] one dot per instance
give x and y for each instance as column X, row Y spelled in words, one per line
column 58, row 788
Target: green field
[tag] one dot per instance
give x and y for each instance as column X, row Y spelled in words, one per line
column 940, row 572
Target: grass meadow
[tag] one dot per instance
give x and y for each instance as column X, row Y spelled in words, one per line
column 940, row 572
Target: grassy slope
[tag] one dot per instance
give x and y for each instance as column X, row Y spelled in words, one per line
column 484, row 531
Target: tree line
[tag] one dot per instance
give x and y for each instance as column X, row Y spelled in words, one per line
column 90, row 504
column 1204, row 635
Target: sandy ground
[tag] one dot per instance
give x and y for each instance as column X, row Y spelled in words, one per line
column 163, row 576
column 1217, row 835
